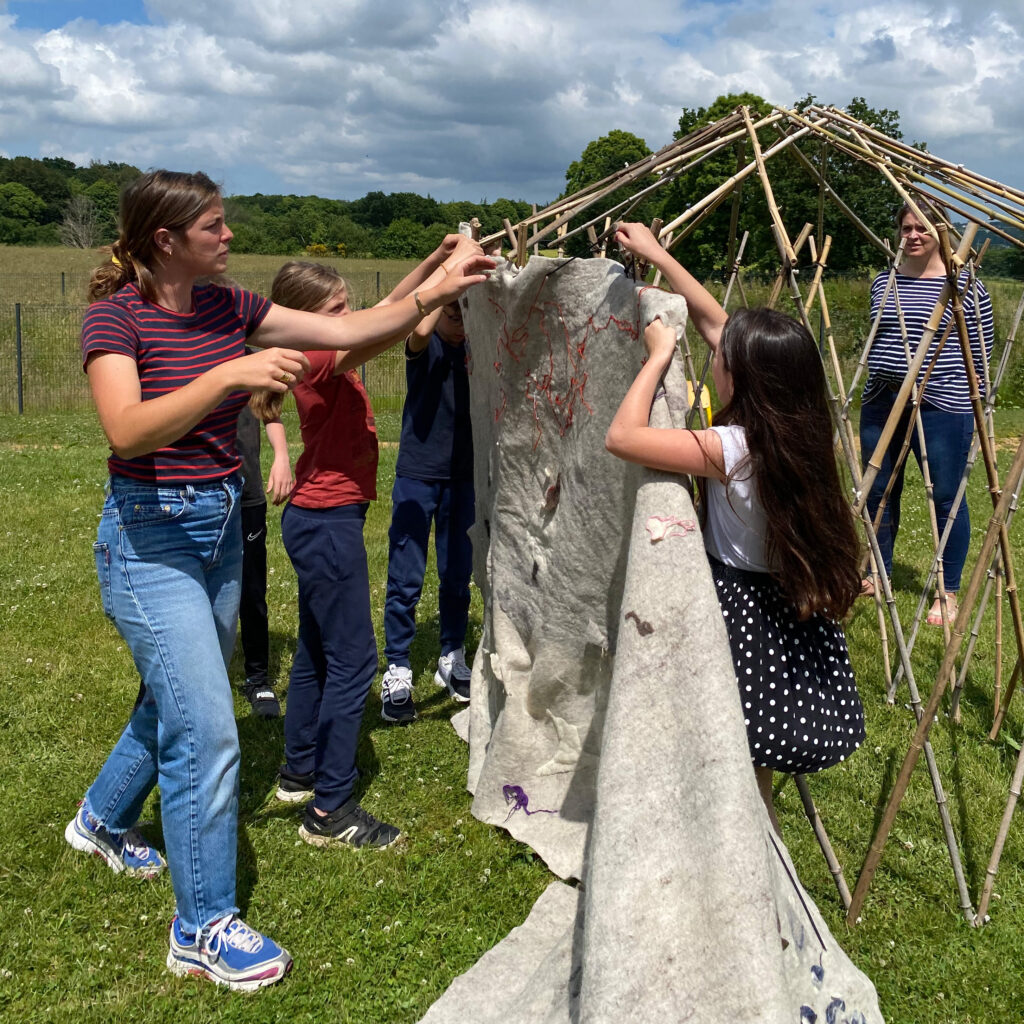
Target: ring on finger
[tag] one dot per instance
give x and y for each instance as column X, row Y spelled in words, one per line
column 285, row 378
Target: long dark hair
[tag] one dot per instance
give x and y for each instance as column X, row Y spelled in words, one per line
column 779, row 400
column 156, row 199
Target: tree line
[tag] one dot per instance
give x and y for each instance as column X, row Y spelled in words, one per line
column 51, row 201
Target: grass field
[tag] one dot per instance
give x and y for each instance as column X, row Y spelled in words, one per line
column 50, row 286
column 378, row 937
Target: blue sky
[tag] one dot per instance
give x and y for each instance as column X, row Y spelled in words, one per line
column 51, row 14
column 475, row 100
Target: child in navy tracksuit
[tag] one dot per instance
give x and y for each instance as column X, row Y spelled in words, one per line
column 433, row 482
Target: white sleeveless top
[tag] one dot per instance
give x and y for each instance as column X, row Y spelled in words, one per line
column 735, row 527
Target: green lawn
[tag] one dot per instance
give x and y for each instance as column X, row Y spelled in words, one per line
column 378, row 936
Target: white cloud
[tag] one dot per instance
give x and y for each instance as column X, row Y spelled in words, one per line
column 480, row 99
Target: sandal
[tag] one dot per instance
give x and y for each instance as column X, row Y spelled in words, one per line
column 867, row 587
column 935, row 615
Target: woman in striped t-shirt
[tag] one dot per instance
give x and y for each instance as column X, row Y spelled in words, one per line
column 169, row 373
column 945, row 407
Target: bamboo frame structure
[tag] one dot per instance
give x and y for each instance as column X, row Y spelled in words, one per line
column 752, row 144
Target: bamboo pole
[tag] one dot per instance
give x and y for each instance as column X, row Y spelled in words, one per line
column 823, row 841
column 998, row 680
column 521, row 246
column 860, row 151
column 734, row 270
column 734, row 213
column 784, row 272
column 730, row 182
column 925, row 723
column 997, row 847
column 773, row 209
column 831, row 192
column 923, row 156
column 997, row 723
column 819, row 269
column 987, row 451
column 667, row 242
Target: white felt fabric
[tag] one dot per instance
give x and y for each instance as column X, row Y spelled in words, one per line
column 605, row 716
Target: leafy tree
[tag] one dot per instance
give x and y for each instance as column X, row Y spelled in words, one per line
column 402, row 239
column 599, row 159
column 45, row 181
column 856, row 182
column 604, row 156
column 20, row 203
column 21, row 212
column 705, row 249
column 104, row 195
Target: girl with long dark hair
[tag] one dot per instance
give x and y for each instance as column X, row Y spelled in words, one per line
column 777, row 527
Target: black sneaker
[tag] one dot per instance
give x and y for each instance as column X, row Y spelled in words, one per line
column 294, row 789
column 262, row 699
column 349, row 825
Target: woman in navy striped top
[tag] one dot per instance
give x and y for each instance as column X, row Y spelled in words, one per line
column 945, row 407
column 168, row 370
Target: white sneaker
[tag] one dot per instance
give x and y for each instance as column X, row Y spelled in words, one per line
column 396, row 695
column 453, row 673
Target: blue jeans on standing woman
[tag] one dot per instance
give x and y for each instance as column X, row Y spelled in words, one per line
column 947, row 437
column 169, row 561
column 336, row 657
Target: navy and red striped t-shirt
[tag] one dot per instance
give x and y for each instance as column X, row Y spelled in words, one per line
column 171, row 349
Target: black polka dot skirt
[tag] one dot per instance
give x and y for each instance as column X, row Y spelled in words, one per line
column 799, row 696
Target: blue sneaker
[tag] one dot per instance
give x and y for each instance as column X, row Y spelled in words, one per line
column 233, row 955
column 127, row 852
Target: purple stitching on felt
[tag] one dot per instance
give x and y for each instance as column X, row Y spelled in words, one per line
column 516, row 797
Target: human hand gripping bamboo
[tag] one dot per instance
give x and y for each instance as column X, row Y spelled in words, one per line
column 702, row 307
column 459, row 278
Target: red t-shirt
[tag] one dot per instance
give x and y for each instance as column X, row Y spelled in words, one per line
column 338, row 465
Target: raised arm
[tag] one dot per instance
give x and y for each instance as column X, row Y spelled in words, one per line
column 293, row 328
column 134, row 427
column 452, row 251
column 703, row 308
column 630, row 436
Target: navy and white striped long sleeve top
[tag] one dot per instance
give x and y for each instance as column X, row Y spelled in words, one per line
column 947, row 386
column 170, row 350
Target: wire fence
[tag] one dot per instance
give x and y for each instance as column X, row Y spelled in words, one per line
column 40, row 340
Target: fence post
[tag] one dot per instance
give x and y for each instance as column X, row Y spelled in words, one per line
column 362, row 373
column 63, row 290
column 378, row 284
column 17, row 356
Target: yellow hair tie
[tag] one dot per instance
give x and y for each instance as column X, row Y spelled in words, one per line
column 115, row 261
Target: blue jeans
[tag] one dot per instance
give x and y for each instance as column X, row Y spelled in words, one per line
column 336, row 657
column 947, row 438
column 414, row 504
column 169, row 561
